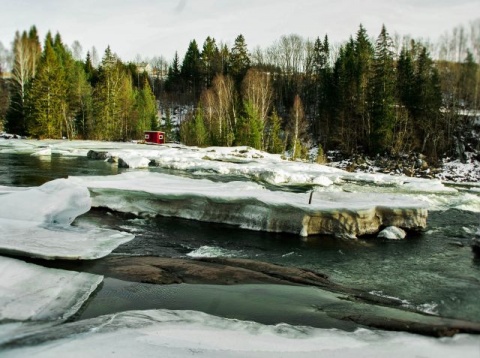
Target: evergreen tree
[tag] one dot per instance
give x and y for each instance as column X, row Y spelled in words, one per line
column 167, row 125
column 47, row 99
column 274, row 140
column 90, row 71
column 382, row 96
column 362, row 73
column 209, row 59
column 322, row 73
column 427, row 101
column 113, row 100
column 468, row 85
column 344, row 96
column 191, row 70
column 146, row 109
column 80, row 100
column 172, row 84
column 239, row 61
column 249, row 129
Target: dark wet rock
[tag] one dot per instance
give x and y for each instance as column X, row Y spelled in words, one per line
column 338, row 302
column 122, row 163
column 476, row 246
column 96, row 155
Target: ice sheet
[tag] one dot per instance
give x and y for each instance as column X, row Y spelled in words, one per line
column 36, row 222
column 251, row 206
column 35, row 293
column 226, row 161
column 188, row 333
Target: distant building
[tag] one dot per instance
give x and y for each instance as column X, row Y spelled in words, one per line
column 154, row 137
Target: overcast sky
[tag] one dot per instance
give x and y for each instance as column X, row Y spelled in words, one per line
column 159, row 27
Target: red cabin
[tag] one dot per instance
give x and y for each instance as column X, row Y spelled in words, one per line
column 155, row 137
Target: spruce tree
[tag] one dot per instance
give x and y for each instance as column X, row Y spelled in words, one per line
column 209, row 61
column 191, row 70
column 239, row 61
column 382, row 95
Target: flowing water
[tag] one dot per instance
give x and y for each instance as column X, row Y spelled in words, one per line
column 434, row 271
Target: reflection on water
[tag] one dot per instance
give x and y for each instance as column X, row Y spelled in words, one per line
column 29, row 170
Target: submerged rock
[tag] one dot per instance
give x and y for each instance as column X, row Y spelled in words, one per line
column 335, row 301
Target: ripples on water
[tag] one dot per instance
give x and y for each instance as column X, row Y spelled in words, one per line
column 433, row 271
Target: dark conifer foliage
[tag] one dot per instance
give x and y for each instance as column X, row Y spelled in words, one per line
column 370, row 96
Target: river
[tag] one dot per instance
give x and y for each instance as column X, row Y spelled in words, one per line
column 434, row 271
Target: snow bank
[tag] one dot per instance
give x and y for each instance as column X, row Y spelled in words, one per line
column 251, row 206
column 225, row 161
column 36, row 222
column 231, row 163
column 188, row 333
column 31, row 292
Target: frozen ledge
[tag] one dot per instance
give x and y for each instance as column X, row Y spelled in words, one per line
column 251, row 206
column 36, row 222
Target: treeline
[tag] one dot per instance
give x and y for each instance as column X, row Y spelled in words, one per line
column 370, row 95
column 53, row 95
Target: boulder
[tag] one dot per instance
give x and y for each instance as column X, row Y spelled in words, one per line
column 392, row 233
column 95, row 155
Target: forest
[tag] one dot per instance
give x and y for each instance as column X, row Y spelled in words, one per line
column 374, row 95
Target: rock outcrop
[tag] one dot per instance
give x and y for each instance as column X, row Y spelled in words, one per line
column 334, row 301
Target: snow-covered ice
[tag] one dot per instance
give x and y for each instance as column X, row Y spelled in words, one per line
column 188, row 333
column 251, row 206
column 36, row 222
column 35, row 293
column 224, row 161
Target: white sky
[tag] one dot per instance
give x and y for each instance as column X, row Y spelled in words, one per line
column 160, row 27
